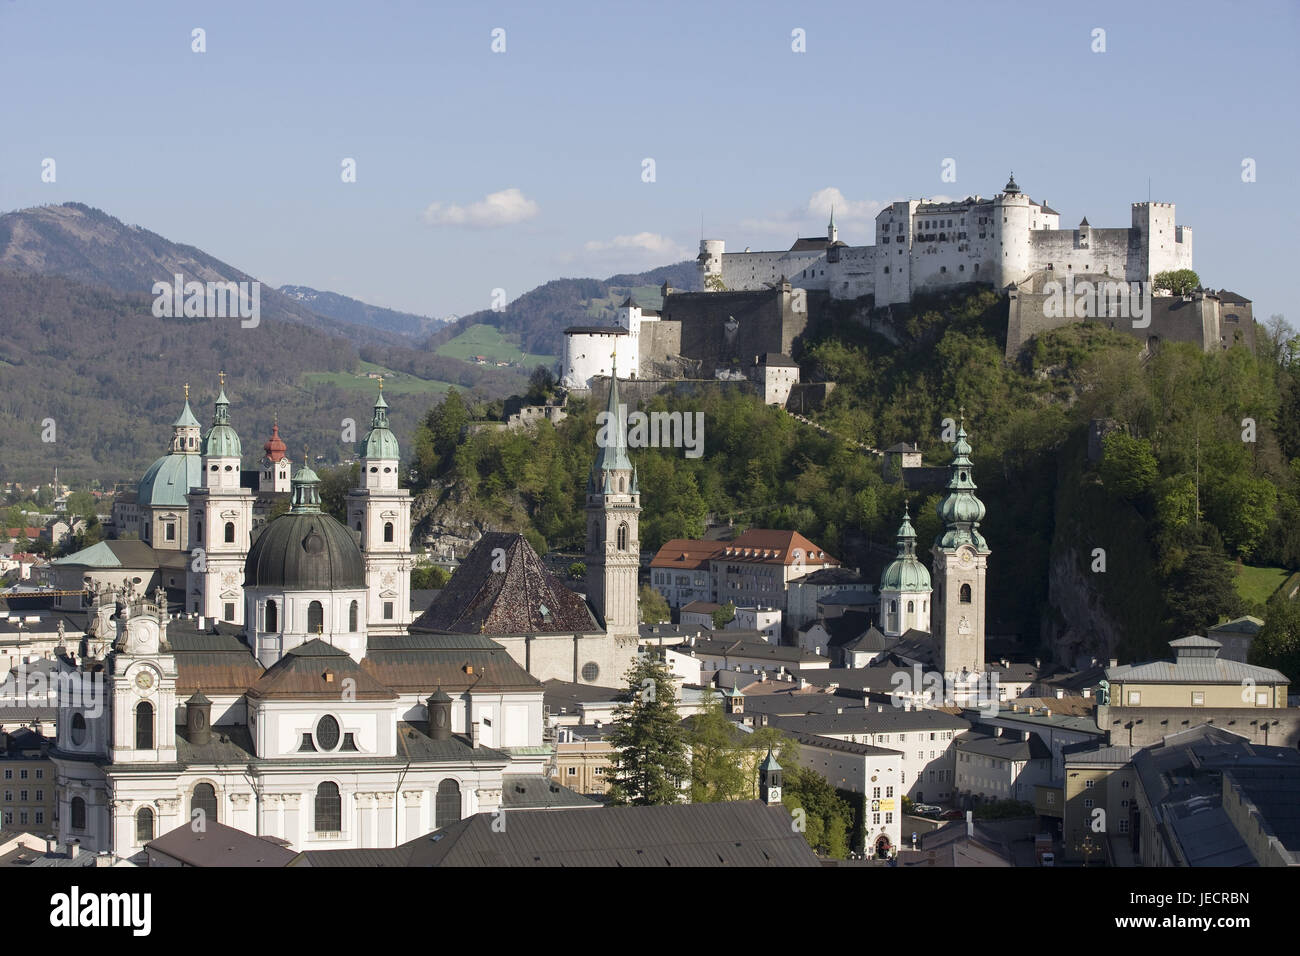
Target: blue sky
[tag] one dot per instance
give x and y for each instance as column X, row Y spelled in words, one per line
column 479, row 170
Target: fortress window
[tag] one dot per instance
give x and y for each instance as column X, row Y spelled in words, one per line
column 961, row 268
column 943, row 268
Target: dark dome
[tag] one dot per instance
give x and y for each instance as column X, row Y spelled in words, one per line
column 310, row 552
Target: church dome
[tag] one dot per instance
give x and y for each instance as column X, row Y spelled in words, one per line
column 379, row 441
column 222, row 440
column 906, row 572
column 305, row 549
column 169, row 479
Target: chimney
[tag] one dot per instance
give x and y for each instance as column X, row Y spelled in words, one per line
column 997, row 731
column 473, row 734
column 1024, row 736
column 200, row 622
column 51, row 844
column 1047, row 712
column 74, row 847
column 103, row 858
column 198, row 719
column 439, row 706
column 1114, row 662
column 1059, row 693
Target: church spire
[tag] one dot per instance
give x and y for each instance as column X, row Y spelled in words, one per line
column 185, row 430
column 222, row 440
column 961, row 511
column 611, row 440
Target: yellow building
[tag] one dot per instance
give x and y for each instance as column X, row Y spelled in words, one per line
column 1196, row 677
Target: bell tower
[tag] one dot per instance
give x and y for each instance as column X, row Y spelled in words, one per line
column 221, row 524
column 960, row 566
column 380, row 512
column 613, row 518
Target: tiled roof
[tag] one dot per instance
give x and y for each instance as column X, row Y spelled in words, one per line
column 221, row 845
column 685, row 553
column 454, row 670
column 316, row 670
column 524, row 598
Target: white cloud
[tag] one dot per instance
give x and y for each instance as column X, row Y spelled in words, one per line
column 643, row 243
column 496, row 209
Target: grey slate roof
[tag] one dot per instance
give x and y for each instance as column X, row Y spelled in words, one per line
column 221, row 845
column 525, row 791
column 1009, row 746
column 745, row 833
column 1195, row 670
column 871, row 720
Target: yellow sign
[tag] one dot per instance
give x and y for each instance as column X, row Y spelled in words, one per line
column 887, row 805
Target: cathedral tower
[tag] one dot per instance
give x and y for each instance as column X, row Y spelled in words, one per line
column 380, row 512
column 613, row 516
column 221, row 524
column 960, row 565
column 274, row 475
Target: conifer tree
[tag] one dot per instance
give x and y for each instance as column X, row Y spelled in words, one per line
column 649, row 762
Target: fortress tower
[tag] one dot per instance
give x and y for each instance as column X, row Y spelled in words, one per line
column 710, row 263
column 1011, row 230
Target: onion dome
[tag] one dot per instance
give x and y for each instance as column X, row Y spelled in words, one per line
column 961, row 511
column 222, row 440
column 274, row 447
column 305, row 549
column 379, row 441
column 1011, row 188
column 906, row 572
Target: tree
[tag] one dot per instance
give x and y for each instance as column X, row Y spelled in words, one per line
column 827, row 817
column 335, row 483
column 82, row 504
column 653, row 606
column 1278, row 643
column 1201, row 592
column 1177, row 281
column 1128, row 466
column 724, row 615
column 429, row 577
column 718, row 770
column 649, row 762
column 541, row 384
column 577, row 570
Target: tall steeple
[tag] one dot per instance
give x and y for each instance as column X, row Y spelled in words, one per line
column 379, row 510
column 960, row 568
column 613, row 519
column 832, row 234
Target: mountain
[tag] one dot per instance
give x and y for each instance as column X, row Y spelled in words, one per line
column 88, row 245
column 356, row 312
column 540, row 316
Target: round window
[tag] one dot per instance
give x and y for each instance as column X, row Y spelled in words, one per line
column 327, row 733
column 590, row 671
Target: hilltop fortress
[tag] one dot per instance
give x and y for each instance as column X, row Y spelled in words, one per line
column 756, row 304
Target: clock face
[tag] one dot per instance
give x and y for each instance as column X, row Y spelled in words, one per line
column 144, row 680
column 965, row 557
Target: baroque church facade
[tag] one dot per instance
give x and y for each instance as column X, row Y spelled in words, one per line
column 293, row 699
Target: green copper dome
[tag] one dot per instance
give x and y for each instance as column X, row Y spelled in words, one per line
column 169, row 480
column 222, row 440
column 379, row 442
column 961, row 511
column 906, row 572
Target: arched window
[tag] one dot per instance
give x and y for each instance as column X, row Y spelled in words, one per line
column 315, row 618
column 144, row 725
column 144, row 825
column 204, row 800
column 388, row 531
column 78, row 810
column 78, row 729
column 447, row 806
column 622, row 537
column 272, row 616
column 230, row 532
column 893, row 607
column 911, row 607
column 352, row 616
column 965, row 594
column 329, row 809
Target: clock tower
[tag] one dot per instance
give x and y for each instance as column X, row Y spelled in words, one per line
column 142, row 685
column 769, row 780
column 960, row 566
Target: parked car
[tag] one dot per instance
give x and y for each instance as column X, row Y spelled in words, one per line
column 953, row 815
column 926, row 810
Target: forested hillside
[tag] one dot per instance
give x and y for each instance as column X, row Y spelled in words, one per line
column 1177, row 501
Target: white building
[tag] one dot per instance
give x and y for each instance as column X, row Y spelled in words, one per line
column 925, row 246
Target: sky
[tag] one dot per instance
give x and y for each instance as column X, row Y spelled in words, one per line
column 479, row 169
